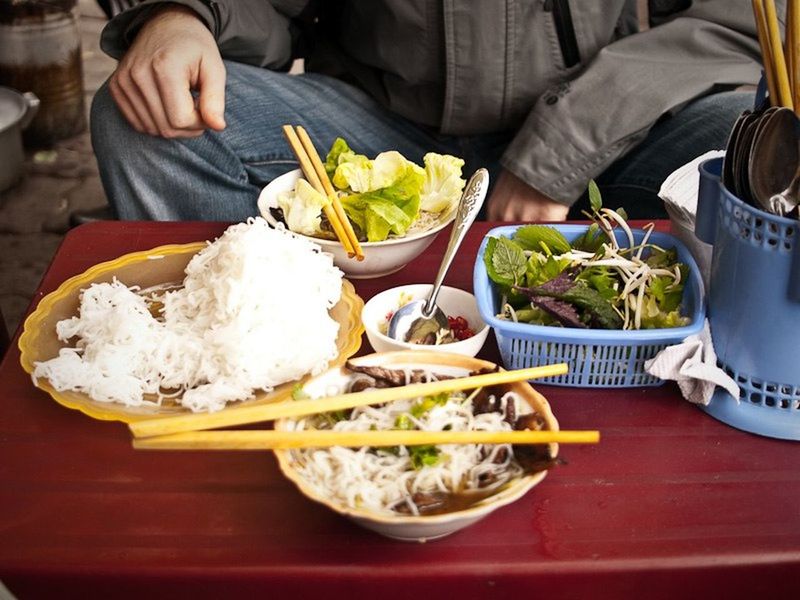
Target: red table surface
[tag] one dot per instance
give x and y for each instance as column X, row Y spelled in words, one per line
column 671, row 503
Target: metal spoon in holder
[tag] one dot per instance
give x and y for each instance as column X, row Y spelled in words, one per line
column 418, row 320
column 774, row 163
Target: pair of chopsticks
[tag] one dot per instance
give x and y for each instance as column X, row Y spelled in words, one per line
column 190, row 432
column 781, row 66
column 317, row 176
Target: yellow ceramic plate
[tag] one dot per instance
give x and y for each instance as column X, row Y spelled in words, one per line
column 160, row 265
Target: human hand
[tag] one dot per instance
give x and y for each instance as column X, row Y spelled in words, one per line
column 173, row 54
column 514, row 200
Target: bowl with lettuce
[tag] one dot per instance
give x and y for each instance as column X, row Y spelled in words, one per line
column 396, row 206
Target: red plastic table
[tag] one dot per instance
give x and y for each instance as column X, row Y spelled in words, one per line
column 671, row 503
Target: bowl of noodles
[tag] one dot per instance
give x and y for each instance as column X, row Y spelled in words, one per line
column 420, row 493
column 396, row 207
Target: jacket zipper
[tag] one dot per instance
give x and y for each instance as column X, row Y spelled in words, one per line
column 565, row 30
column 214, row 8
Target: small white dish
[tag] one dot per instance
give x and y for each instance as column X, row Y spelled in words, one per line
column 453, row 301
column 419, row 528
column 380, row 258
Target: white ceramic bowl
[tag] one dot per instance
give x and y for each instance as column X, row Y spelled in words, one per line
column 380, row 258
column 453, row 301
column 419, row 528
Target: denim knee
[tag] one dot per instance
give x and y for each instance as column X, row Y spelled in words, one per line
column 108, row 127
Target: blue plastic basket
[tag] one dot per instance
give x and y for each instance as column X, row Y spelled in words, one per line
column 597, row 358
column 753, row 307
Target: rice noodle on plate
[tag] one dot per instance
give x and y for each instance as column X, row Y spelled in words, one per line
column 252, row 313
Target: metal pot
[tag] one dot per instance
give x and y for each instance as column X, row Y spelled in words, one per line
column 16, row 112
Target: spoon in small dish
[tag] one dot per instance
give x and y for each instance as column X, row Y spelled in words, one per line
column 419, row 319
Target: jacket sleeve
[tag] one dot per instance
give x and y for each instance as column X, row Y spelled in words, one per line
column 255, row 32
column 576, row 130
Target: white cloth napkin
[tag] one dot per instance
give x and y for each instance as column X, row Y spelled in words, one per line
column 679, row 190
column 693, row 364
column 679, row 193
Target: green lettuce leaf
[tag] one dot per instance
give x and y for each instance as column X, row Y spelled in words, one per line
column 353, row 173
column 338, row 152
column 443, row 183
column 383, row 212
column 387, row 198
column 654, row 317
column 302, row 208
column 389, row 169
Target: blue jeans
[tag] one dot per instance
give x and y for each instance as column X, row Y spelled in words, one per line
column 219, row 175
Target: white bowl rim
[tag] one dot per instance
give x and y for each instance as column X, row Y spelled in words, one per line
column 387, row 242
column 385, row 338
column 511, row 492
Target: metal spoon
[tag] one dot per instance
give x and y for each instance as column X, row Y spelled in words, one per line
column 786, row 201
column 774, row 163
column 420, row 319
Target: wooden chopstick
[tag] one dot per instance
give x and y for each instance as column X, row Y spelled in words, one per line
column 312, row 177
column 778, row 58
column 766, row 53
column 282, row 440
column 316, row 162
column 291, row 408
column 793, row 51
column 787, row 47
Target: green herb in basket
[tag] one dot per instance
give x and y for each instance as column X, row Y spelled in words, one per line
column 592, row 281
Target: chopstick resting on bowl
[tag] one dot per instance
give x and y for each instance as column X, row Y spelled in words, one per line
column 315, row 173
column 298, row 408
column 284, row 440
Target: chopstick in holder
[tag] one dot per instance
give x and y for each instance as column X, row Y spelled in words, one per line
column 778, row 59
column 316, row 162
column 311, row 174
column 298, row 408
column 766, row 55
column 283, row 440
column 793, row 51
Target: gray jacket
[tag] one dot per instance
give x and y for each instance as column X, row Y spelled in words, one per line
column 573, row 78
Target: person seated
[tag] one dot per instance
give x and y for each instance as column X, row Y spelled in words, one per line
column 547, row 95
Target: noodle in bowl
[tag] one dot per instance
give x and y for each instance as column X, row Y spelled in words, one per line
column 373, row 487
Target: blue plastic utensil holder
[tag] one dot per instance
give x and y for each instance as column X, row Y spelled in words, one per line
column 597, row 358
column 753, row 308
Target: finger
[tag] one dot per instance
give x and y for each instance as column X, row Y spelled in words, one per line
column 125, row 106
column 211, row 83
column 175, row 90
column 496, row 212
column 145, row 81
column 137, row 102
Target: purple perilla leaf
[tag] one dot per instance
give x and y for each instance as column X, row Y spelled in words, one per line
column 563, row 311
